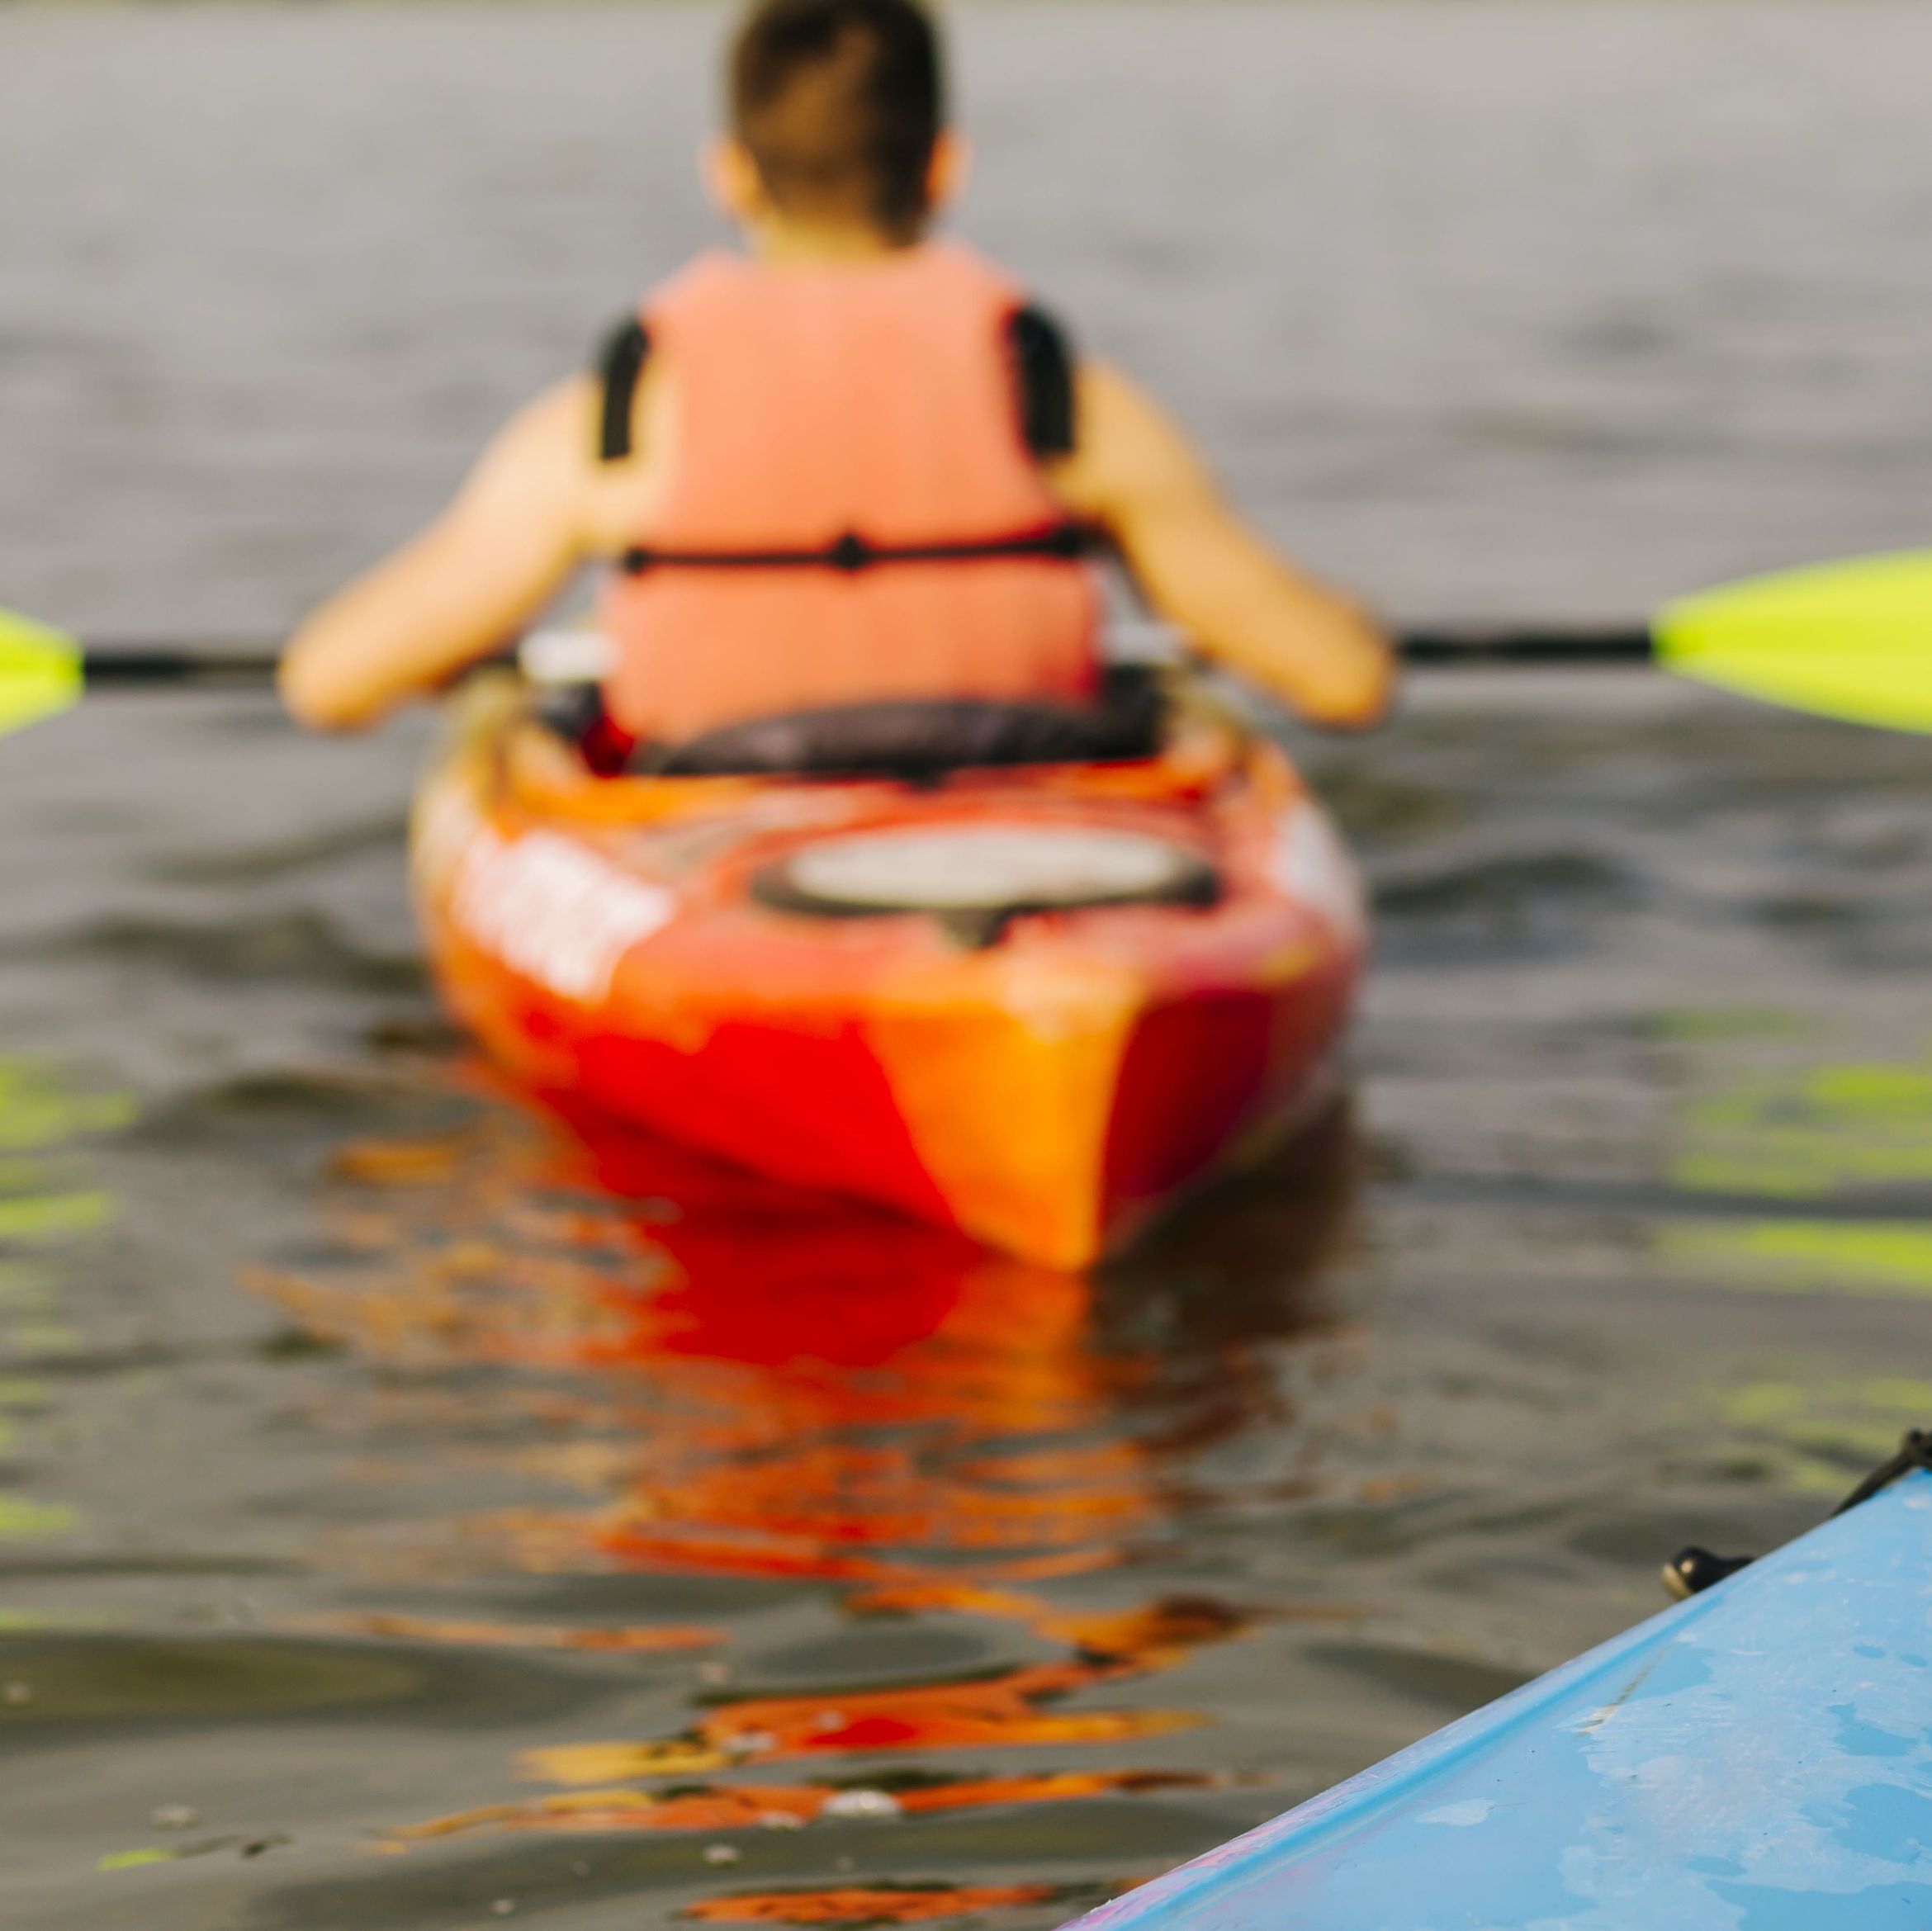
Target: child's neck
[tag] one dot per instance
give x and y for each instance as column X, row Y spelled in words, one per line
column 787, row 243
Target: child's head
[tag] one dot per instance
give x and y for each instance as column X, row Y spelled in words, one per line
column 837, row 117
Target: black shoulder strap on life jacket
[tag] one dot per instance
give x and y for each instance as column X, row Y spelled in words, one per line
column 1043, row 378
column 620, row 366
column 1043, row 381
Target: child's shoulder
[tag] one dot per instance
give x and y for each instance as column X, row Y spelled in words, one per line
column 713, row 274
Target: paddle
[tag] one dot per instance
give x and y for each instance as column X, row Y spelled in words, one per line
column 1850, row 640
column 43, row 671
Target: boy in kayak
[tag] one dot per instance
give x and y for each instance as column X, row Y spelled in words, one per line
column 850, row 466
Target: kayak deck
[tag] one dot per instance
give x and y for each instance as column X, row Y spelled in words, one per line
column 1757, row 1759
column 709, row 958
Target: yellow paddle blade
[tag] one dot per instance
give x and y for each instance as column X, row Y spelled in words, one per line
column 41, row 671
column 1850, row 640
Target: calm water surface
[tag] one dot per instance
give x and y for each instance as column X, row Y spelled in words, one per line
column 416, row 1514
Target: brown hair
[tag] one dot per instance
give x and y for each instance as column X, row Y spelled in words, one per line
column 839, row 103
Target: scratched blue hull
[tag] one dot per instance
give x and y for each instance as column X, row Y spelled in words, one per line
column 1759, row 1758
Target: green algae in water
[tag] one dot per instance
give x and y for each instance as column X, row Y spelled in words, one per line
column 1867, row 1260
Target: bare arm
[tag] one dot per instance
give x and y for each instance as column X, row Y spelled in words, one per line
column 1208, row 573
column 464, row 587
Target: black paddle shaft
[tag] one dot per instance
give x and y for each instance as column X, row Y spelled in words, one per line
column 142, row 663
column 1475, row 645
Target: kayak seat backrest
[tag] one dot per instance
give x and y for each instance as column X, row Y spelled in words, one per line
column 913, row 739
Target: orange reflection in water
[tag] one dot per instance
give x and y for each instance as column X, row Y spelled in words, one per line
column 736, row 1806
column 1001, row 1710
column 857, row 1905
column 785, row 1385
column 387, row 1625
column 759, row 1382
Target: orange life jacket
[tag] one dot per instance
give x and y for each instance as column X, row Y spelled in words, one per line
column 850, row 510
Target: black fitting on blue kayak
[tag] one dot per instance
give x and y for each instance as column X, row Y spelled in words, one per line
column 1914, row 1452
column 1691, row 1571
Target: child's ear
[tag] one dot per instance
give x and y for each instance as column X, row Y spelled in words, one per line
column 949, row 170
column 731, row 178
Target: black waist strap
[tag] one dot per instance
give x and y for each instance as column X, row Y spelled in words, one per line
column 1065, row 541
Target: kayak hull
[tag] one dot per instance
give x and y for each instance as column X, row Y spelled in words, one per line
column 1045, row 1086
column 1759, row 1758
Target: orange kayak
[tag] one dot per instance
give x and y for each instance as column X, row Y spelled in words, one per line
column 1034, row 1003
